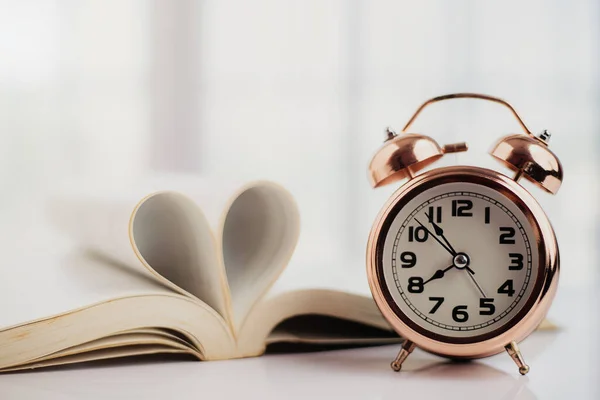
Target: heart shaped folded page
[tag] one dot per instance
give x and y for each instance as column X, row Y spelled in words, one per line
column 223, row 245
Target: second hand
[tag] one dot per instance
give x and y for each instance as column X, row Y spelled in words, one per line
column 476, row 284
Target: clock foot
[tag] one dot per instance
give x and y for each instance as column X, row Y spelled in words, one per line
column 513, row 351
column 407, row 348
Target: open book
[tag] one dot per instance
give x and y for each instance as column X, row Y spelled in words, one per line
column 181, row 273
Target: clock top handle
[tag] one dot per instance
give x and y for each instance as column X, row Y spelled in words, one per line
column 467, row 96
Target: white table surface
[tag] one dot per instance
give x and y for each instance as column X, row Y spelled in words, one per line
column 564, row 364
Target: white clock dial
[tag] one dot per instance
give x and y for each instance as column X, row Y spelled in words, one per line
column 460, row 260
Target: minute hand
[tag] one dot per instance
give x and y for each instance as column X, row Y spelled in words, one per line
column 448, row 249
column 440, row 232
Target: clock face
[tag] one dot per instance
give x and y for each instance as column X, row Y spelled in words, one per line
column 460, row 260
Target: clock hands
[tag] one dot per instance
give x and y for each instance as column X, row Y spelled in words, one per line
column 460, row 260
column 439, row 274
column 451, row 251
column 477, row 284
column 440, row 232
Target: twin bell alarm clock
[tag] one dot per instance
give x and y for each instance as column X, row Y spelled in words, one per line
column 462, row 261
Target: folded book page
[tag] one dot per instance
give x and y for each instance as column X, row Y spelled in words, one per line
column 223, row 244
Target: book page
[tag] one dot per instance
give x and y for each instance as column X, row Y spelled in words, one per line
column 156, row 228
column 259, row 234
column 222, row 242
column 48, row 276
column 59, row 297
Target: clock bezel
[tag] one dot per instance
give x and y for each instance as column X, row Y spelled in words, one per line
column 545, row 283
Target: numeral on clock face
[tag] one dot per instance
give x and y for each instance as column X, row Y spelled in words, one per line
column 507, row 235
column 419, row 234
column 409, row 259
column 507, row 288
column 460, row 208
column 459, row 314
column 438, row 303
column 486, row 307
column 516, row 261
column 435, row 214
column 415, row 284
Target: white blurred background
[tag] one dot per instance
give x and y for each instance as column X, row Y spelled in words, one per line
column 297, row 92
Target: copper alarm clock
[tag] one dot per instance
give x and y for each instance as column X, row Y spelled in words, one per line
column 462, row 261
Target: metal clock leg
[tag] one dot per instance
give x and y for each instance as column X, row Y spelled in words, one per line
column 407, row 348
column 513, row 351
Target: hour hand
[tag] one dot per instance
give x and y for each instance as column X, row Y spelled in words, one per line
column 438, row 229
column 438, row 274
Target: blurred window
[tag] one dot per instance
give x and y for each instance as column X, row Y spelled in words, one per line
column 297, row 92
